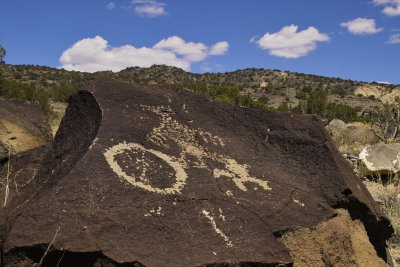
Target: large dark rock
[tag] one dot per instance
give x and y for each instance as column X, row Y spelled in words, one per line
column 159, row 176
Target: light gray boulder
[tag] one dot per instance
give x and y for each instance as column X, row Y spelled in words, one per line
column 335, row 126
column 381, row 158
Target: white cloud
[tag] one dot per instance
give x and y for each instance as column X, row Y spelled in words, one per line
column 191, row 51
column 391, row 7
column 149, row 8
column 289, row 43
column 94, row 54
column 219, row 48
column 394, row 39
column 361, row 26
column 111, row 5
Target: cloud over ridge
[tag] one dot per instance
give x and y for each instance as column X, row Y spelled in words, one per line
column 289, row 43
column 95, row 54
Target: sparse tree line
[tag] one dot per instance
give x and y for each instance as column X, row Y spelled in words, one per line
column 30, row 92
column 385, row 120
column 316, row 102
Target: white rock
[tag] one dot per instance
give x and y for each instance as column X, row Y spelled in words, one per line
column 382, row 158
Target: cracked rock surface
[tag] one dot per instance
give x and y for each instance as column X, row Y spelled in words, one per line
column 160, row 176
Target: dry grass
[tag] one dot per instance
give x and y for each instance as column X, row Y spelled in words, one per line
column 390, row 204
column 58, row 113
column 48, row 248
column 7, row 182
column 388, row 197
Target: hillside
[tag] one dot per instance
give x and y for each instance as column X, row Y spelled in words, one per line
column 259, row 88
column 276, row 85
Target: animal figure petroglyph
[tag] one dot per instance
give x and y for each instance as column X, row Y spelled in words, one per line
column 192, row 154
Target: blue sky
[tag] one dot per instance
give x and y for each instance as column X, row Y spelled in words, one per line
column 350, row 39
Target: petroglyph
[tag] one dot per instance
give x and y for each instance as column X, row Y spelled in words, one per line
column 298, row 202
column 169, row 133
column 154, row 212
column 229, row 193
column 140, row 180
column 185, row 138
column 217, row 230
column 221, row 216
column 239, row 174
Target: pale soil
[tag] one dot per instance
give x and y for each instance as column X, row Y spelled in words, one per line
column 369, row 89
column 395, row 252
column 379, row 92
column 18, row 139
column 59, row 109
column 390, row 98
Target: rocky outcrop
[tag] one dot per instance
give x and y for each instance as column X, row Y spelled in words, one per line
column 335, row 126
column 159, row 176
column 352, row 137
column 22, row 127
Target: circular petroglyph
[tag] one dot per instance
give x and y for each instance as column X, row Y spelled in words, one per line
column 145, row 168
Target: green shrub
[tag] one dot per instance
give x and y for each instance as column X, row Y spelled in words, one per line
column 23, row 91
column 317, row 101
column 341, row 111
column 306, row 89
column 339, row 91
column 62, row 94
column 301, row 95
column 17, row 76
column 283, row 107
column 263, row 100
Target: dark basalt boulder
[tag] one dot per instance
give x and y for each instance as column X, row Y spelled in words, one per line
column 159, row 176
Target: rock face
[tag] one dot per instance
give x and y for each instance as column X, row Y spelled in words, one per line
column 382, row 158
column 22, row 127
column 159, row 176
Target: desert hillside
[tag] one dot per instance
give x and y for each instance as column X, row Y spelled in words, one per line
column 270, row 87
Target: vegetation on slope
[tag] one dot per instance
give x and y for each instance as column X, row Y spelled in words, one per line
column 254, row 88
